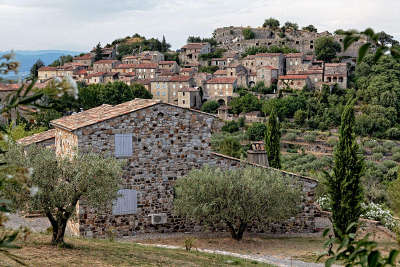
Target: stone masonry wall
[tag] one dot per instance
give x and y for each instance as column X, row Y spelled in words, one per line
column 167, row 143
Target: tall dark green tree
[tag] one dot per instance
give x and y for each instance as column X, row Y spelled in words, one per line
column 326, row 48
column 344, row 184
column 98, row 52
column 272, row 141
column 35, row 67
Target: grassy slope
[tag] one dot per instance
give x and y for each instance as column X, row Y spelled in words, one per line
column 90, row 252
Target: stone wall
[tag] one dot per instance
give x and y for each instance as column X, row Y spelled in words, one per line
column 168, row 142
column 65, row 142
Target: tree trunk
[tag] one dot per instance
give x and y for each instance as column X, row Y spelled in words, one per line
column 59, row 231
column 237, row 234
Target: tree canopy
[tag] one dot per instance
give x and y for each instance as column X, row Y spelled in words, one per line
column 248, row 34
column 326, row 48
column 272, row 23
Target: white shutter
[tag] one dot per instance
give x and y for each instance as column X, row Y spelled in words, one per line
column 123, row 145
column 126, row 203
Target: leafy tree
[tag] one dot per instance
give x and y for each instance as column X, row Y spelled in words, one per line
column 98, row 52
column 35, row 67
column 272, row 141
column 236, row 198
column 394, row 195
column 245, row 103
column 248, row 34
column 230, row 146
column 210, row 106
column 230, row 127
column 42, row 118
column 208, row 69
column 164, row 45
column 61, row 61
column 198, row 39
column 272, row 23
column 291, row 25
column 252, row 50
column 256, row 132
column 344, row 185
column 62, row 182
column 326, row 48
column 310, row 28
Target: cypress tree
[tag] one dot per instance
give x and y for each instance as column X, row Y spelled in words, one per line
column 344, row 185
column 272, row 141
column 98, row 52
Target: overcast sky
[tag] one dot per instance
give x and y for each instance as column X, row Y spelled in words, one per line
column 80, row 24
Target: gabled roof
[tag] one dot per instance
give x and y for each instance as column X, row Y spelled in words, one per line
column 106, row 61
column 267, row 55
column 180, row 78
column 293, row 77
column 97, row 74
column 220, row 72
column 48, row 68
column 295, row 55
column 166, row 62
column 194, row 45
column 218, row 80
column 36, row 138
column 146, row 66
column 84, row 57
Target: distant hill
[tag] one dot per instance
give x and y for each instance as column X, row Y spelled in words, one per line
column 27, row 58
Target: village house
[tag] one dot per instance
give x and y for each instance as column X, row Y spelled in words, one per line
column 171, row 66
column 124, row 68
column 187, row 71
column 144, row 132
column 86, row 59
column 335, row 73
column 231, row 57
column 45, row 73
column 294, row 81
column 146, row 70
column 95, row 78
column 220, row 73
column 189, row 98
column 249, row 62
column 296, row 62
column 166, row 88
column 64, row 71
column 220, row 89
column 267, row 74
column 219, row 62
column 110, row 77
column 151, row 56
column 276, row 60
column 316, row 76
column 239, row 72
column 190, row 53
column 131, row 60
column 107, row 52
column 105, row 65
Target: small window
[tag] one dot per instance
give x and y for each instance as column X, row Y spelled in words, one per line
column 183, row 101
column 126, row 203
column 123, row 145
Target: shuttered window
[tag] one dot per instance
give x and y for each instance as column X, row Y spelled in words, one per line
column 123, row 145
column 126, row 203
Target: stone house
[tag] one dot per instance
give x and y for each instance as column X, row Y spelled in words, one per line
column 46, row 139
column 64, row 71
column 276, row 60
column 296, row 62
column 45, row 73
column 220, row 89
column 110, row 77
column 146, row 70
column 239, row 72
column 190, row 53
column 187, row 71
column 86, row 59
column 316, row 76
column 231, row 57
column 131, row 60
column 166, row 88
column 220, row 73
column 177, row 139
column 267, row 74
column 105, row 65
column 124, row 68
column 171, row 66
column 296, row 82
column 95, row 78
column 189, row 98
column 151, row 56
column 335, row 73
column 249, row 62
column 219, row 62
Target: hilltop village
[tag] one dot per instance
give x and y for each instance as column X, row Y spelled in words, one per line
column 214, row 70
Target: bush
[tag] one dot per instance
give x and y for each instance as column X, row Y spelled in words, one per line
column 393, row 133
column 388, row 145
column 241, row 122
column 290, row 137
column 389, row 164
column 309, row 138
column 256, row 131
column 248, row 34
column 377, row 156
column 379, row 213
column 395, row 149
column 230, row 127
column 396, row 156
column 370, row 143
column 378, row 149
column 332, row 141
column 300, row 117
column 264, row 195
column 210, row 106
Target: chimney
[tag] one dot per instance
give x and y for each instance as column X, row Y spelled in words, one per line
column 257, row 154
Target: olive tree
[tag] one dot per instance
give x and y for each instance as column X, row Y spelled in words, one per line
column 236, row 198
column 61, row 182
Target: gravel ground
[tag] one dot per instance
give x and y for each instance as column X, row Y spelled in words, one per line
column 260, row 258
column 37, row 224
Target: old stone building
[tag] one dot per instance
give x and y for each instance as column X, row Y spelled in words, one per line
column 146, row 70
column 296, row 82
column 239, row 72
column 189, row 98
column 45, row 73
column 190, row 53
column 95, row 78
column 86, row 59
column 124, row 68
column 161, row 143
column 276, row 60
column 219, row 62
column 220, row 89
column 131, row 60
column 171, row 66
column 105, row 65
column 267, row 74
column 335, row 73
column 296, row 62
column 166, row 88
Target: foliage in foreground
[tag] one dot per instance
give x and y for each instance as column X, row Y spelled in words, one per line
column 236, row 198
column 272, row 141
column 61, row 182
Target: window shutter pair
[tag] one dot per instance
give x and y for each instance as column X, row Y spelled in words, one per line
column 123, row 145
column 126, row 203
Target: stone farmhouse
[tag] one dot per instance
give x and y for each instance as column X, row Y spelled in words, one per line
column 297, row 82
column 190, row 53
column 105, row 65
column 86, row 59
column 166, row 88
column 189, row 98
column 144, row 132
column 220, row 89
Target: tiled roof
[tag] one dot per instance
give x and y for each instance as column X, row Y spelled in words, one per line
column 97, row 74
column 125, row 66
column 194, row 45
column 187, row 69
column 294, row 55
column 293, row 77
column 218, row 59
column 220, row 72
column 80, row 72
column 9, row 87
column 36, row 138
column 44, row 68
column 180, row 78
column 335, row 64
column 267, row 55
column 146, row 66
column 84, row 57
column 190, row 89
column 130, row 57
column 217, row 80
column 166, row 62
column 101, row 113
column 106, row 61
column 111, row 74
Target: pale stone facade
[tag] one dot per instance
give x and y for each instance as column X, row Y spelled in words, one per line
column 220, row 89
column 190, row 53
column 296, row 82
column 189, row 98
column 105, row 65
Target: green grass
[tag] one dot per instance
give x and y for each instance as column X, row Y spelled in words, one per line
column 37, row 251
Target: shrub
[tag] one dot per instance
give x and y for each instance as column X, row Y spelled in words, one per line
column 379, row 213
column 377, row 156
column 332, row 141
column 309, row 138
column 395, row 149
column 378, row 149
column 256, row 131
column 388, row 145
column 241, row 122
column 396, row 156
column 290, row 137
column 389, row 164
column 230, row 127
column 211, row 196
column 393, row 133
column 248, row 34
column 300, row 117
column 210, row 106
column 370, row 143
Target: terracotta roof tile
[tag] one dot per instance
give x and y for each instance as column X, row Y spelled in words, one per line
column 293, row 77
column 146, row 66
column 44, row 68
column 220, row 72
column 166, row 62
column 291, row 55
column 101, row 113
column 36, row 138
column 194, row 45
column 106, row 61
column 84, row 57
column 180, row 78
column 125, row 66
column 217, row 80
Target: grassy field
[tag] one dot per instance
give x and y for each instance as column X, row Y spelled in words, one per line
column 37, row 251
